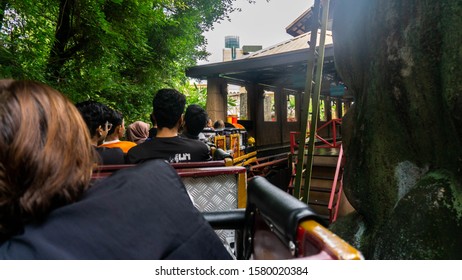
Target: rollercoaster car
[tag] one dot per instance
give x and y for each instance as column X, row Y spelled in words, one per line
column 254, row 218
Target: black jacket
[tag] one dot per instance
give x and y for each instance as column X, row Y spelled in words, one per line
column 142, row 212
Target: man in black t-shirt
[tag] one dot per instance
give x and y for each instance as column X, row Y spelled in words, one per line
column 168, row 107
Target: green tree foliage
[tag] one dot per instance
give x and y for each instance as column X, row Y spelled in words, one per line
column 118, row 52
column 195, row 94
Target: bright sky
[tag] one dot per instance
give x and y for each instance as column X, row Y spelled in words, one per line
column 263, row 23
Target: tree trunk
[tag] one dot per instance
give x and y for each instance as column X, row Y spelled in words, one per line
column 402, row 61
column 63, row 33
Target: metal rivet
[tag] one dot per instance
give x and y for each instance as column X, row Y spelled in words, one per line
column 292, row 248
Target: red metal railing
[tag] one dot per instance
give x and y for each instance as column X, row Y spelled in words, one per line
column 332, row 124
column 336, row 189
column 336, row 184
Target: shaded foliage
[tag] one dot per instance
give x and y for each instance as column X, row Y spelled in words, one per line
column 117, row 52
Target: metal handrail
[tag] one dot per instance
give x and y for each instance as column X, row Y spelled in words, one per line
column 333, row 216
column 334, row 143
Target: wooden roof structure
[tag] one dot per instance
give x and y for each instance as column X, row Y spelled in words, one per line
column 283, row 63
column 300, row 25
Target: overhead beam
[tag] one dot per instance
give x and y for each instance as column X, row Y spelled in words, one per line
column 252, row 64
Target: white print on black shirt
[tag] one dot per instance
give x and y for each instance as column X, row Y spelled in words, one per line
column 181, row 157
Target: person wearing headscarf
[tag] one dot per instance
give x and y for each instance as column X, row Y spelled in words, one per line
column 138, row 132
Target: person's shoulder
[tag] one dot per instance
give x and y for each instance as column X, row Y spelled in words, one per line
column 201, row 142
column 107, row 151
column 181, row 136
column 193, row 142
column 137, row 153
column 128, row 143
column 199, row 148
column 142, row 146
column 104, row 149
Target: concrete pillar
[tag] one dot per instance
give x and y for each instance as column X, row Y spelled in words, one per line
column 217, row 95
column 243, row 111
column 252, row 99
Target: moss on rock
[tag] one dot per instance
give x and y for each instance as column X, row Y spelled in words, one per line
column 426, row 223
column 352, row 228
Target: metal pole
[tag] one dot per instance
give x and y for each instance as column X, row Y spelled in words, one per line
column 317, row 93
column 306, row 99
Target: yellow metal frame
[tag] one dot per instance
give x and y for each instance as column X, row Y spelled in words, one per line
column 234, row 144
column 220, row 142
column 242, row 190
column 239, row 161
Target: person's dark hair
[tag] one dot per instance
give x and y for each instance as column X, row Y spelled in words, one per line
column 46, row 157
column 95, row 114
column 195, row 119
column 116, row 118
column 219, row 124
column 168, row 105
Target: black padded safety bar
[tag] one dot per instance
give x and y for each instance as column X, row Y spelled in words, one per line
column 220, row 154
column 282, row 210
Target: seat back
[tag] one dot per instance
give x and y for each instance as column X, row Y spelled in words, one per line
column 212, row 185
column 103, row 171
column 217, row 189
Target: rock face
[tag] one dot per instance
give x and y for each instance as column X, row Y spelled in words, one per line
column 432, row 218
column 402, row 60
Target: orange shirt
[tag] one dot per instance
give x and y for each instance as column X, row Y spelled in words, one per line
column 124, row 145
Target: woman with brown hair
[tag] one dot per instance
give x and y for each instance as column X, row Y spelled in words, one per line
column 45, row 157
column 48, row 210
